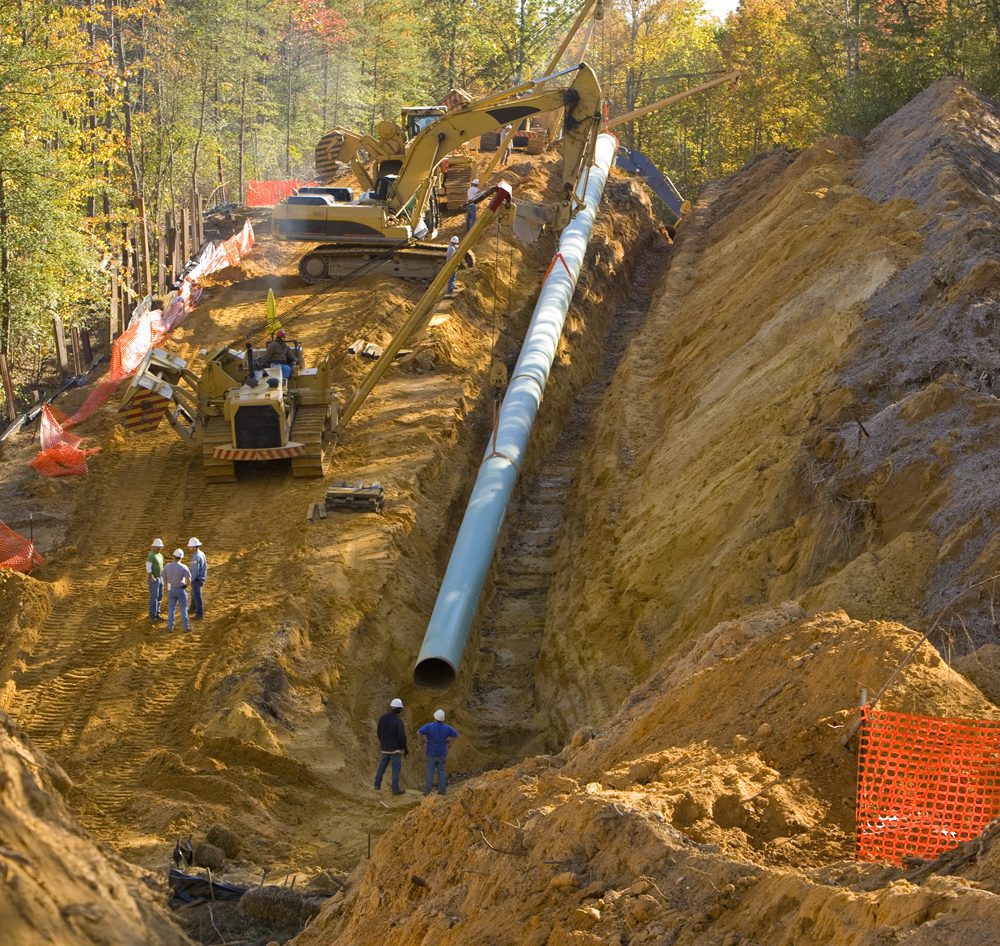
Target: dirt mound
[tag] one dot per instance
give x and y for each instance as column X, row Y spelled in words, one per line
column 807, row 415
column 673, row 824
column 58, row 885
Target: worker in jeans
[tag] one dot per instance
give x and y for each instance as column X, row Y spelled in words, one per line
column 178, row 578
column 154, row 578
column 438, row 737
column 392, row 741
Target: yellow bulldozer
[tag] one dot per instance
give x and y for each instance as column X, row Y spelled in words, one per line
column 239, row 409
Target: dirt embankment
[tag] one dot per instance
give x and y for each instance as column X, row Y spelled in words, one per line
column 716, row 807
column 808, row 415
column 262, row 718
column 771, row 449
column 57, row 885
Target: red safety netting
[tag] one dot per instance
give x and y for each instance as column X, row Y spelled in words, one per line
column 61, row 453
column 17, row 552
column 269, row 193
column 925, row 785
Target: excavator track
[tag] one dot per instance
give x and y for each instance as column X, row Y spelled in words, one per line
column 311, row 427
column 217, row 434
column 419, row 260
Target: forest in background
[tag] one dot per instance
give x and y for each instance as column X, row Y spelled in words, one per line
column 111, row 112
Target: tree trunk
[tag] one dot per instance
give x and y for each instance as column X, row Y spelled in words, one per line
column 138, row 200
column 5, row 314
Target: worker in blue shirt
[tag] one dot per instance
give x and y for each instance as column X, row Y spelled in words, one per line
column 437, row 737
column 199, row 573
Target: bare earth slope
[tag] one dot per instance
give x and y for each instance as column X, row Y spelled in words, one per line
column 702, row 814
column 808, row 415
column 797, row 453
column 262, row 718
column 57, row 885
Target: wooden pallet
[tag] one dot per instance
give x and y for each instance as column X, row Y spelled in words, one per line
column 356, row 497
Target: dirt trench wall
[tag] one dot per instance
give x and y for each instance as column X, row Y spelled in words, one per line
column 57, row 885
column 679, row 824
column 790, row 423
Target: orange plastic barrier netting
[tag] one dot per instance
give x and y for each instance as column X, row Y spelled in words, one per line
column 17, row 552
column 925, row 784
column 61, row 453
column 268, row 193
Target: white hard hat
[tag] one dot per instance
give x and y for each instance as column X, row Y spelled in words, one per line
column 396, row 703
column 157, row 543
column 178, row 553
column 193, row 543
column 454, row 239
column 439, row 715
column 475, row 180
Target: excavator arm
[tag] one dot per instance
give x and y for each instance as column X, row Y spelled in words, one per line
column 582, row 104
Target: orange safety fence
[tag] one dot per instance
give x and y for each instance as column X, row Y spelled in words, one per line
column 269, row 193
column 925, row 784
column 17, row 552
column 61, row 453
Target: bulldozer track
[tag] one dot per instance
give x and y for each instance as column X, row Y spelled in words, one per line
column 311, row 426
column 512, row 625
column 58, row 690
column 217, row 434
column 416, row 260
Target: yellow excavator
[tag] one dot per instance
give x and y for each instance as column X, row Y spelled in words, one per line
column 386, row 227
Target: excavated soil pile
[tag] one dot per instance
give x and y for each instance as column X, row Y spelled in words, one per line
column 704, row 813
column 807, row 415
column 804, row 425
column 57, row 885
column 261, row 720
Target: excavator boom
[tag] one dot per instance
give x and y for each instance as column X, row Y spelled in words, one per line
column 378, row 230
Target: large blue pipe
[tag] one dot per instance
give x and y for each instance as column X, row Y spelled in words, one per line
column 457, row 601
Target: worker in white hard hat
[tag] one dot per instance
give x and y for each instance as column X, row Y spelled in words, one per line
column 449, row 254
column 199, row 574
column 470, row 208
column 438, row 736
column 392, row 742
column 154, row 578
column 178, row 578
column 509, row 147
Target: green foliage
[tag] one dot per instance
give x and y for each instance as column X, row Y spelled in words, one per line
column 112, row 107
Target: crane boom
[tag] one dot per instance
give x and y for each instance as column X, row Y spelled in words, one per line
column 672, row 99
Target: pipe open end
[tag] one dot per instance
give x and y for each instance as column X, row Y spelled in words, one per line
column 434, row 673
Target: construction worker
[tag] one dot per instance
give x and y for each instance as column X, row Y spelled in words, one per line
column 470, row 208
column 438, row 737
column 279, row 354
column 177, row 577
column 154, row 578
column 392, row 741
column 199, row 572
column 509, row 147
column 449, row 253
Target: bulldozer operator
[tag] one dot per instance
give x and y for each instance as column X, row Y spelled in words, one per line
column 279, row 354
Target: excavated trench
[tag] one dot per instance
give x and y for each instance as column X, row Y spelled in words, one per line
column 705, row 564
column 503, row 714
